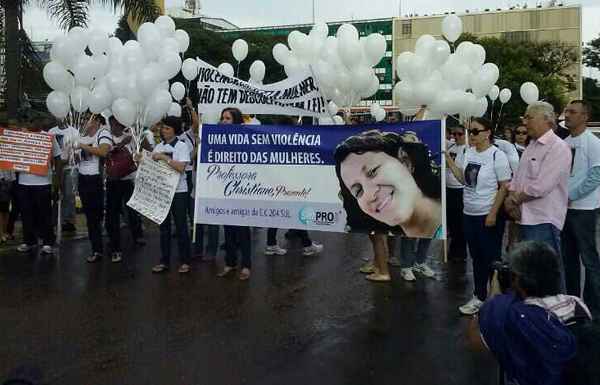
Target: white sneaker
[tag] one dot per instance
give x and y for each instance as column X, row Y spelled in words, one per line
column 23, row 248
column 313, row 249
column 46, row 249
column 471, row 307
column 275, row 250
column 407, row 274
column 116, row 257
column 423, row 268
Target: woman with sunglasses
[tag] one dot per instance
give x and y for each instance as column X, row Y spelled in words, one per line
column 485, row 174
column 521, row 139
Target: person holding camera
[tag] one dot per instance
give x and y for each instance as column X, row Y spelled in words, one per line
column 526, row 328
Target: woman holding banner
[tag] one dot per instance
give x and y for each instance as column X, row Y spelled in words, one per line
column 177, row 155
column 236, row 236
column 485, row 173
column 390, row 184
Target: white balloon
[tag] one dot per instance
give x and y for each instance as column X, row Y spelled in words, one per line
column 491, row 72
column 374, row 108
column 147, row 79
column 326, row 121
column 457, row 75
column 226, row 69
column 257, row 71
column 529, row 92
column 57, row 103
column 479, row 108
column 171, row 64
column 403, row 63
column 425, row 91
column 79, row 38
column 494, row 93
column 281, row 54
column 319, row 31
column 467, row 104
column 131, row 90
column 373, row 88
column 464, row 50
column 101, row 65
column 68, row 50
column 299, row 44
column 375, row 48
column 148, row 35
column 332, row 108
column 114, row 44
column 343, row 81
column 183, row 39
column 57, row 77
column 439, row 53
column 361, row 78
column 164, row 86
column 84, row 70
column 169, row 45
column 177, row 91
column 132, row 57
column 100, row 99
column 189, row 69
column 477, row 54
column 98, row 42
column 116, row 84
column 403, row 91
column 347, row 32
column 338, row 120
column 166, row 25
column 124, row 111
column 239, row 50
column 174, row 110
column 380, row 115
column 418, row 68
column 424, row 45
column 505, row 95
column 481, row 83
column 452, row 28
column 159, row 102
column 80, row 97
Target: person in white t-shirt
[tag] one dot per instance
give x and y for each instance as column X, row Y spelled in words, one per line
column 177, row 155
column 485, row 174
column 454, row 196
column 35, row 199
column 66, row 136
column 119, row 190
column 578, row 238
column 189, row 136
column 93, row 147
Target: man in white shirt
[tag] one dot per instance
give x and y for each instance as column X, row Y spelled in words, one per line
column 66, row 136
column 35, row 199
column 579, row 233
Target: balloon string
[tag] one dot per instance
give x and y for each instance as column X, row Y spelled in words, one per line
column 492, row 111
column 237, row 70
column 499, row 116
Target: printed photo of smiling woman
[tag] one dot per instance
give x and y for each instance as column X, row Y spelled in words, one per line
column 389, row 182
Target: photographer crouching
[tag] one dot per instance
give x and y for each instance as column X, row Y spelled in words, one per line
column 529, row 328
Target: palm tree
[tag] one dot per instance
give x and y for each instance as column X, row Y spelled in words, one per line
column 68, row 14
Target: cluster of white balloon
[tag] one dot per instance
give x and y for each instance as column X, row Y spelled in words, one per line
column 129, row 81
column 342, row 64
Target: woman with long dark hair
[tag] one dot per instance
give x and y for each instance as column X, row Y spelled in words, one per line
column 485, row 174
column 388, row 183
column 236, row 237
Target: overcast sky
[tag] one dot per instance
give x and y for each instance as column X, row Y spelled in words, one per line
column 250, row 13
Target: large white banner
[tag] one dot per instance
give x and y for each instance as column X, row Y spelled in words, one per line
column 155, row 185
column 299, row 95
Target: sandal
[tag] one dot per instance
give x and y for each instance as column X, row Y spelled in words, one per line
column 367, row 268
column 160, row 268
column 377, row 277
column 94, row 258
column 185, row 268
column 226, row 271
column 244, row 274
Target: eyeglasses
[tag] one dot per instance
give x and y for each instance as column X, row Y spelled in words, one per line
column 457, row 134
column 521, row 132
column 474, row 131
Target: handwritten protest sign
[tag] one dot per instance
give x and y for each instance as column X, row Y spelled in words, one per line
column 298, row 95
column 25, row 151
column 155, row 185
column 290, row 177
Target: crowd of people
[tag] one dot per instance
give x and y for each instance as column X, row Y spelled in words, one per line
column 538, row 183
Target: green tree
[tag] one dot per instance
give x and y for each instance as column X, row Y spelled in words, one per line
column 591, row 93
column 591, row 53
column 68, row 14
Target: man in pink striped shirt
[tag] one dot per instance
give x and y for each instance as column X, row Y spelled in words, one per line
column 538, row 195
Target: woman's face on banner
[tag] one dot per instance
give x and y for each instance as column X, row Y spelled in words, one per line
column 382, row 185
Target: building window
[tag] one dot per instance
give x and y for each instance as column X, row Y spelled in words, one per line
column 388, row 54
column 388, row 37
column 407, row 27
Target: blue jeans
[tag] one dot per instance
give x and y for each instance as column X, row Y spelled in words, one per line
column 485, row 247
column 408, row 255
column 179, row 212
column 549, row 234
column 579, row 247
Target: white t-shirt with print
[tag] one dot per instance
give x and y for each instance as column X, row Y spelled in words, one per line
column 457, row 153
column 586, row 154
column 27, row 179
column 483, row 171
column 65, row 137
column 180, row 152
column 116, row 140
column 189, row 138
column 89, row 164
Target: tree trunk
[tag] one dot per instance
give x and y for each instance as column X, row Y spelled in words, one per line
column 13, row 52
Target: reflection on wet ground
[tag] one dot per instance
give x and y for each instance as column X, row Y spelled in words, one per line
column 299, row 320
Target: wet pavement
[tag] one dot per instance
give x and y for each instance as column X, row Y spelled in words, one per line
column 298, row 320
